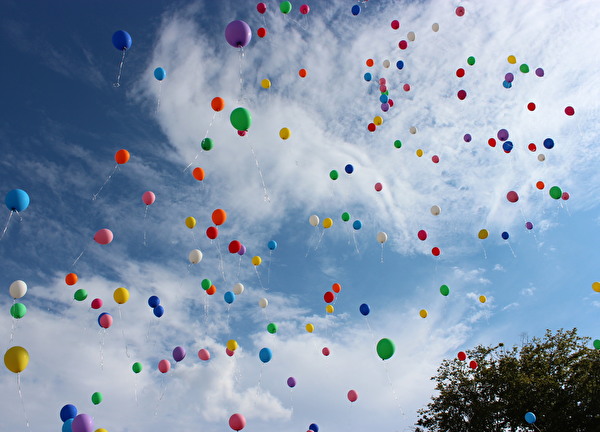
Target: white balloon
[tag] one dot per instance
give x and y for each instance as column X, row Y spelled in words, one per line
column 413, row 130
column 263, row 303
column 381, row 237
column 195, row 256
column 436, row 210
column 435, row 27
column 541, row 157
column 238, row 288
column 386, row 63
column 17, row 289
column 411, row 36
column 314, row 220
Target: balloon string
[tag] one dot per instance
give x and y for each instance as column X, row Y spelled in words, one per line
column 259, row 280
column 221, row 265
column 22, row 401
column 241, row 98
column 258, row 387
column 355, row 242
column 206, row 311
column 262, row 180
column 145, row 214
column 118, row 82
column 135, row 395
column 484, row 252
column 123, row 332
column 387, row 373
column 159, row 94
column 239, row 267
column 77, row 259
column 269, row 268
column 511, row 249
column 6, row 226
column 381, row 253
column 12, row 330
column 95, row 196
column 319, row 240
column 316, row 230
column 102, row 334
column 163, row 386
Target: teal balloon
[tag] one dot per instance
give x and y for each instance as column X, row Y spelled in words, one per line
column 160, row 74
column 17, row 200
column 240, row 119
column 265, row 355
column 385, row 348
column 18, row 310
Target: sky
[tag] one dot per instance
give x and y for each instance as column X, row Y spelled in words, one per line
column 63, row 120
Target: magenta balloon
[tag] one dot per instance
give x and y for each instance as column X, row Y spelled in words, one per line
column 238, row 34
column 242, row 250
column 304, row 9
column 229, row 352
column 512, row 196
column 326, row 351
column 203, row 354
column 261, row 8
column 422, row 235
column 148, row 197
column 97, row 303
column 164, row 366
column 352, row 395
column 103, row 236
column 237, row 422
column 178, row 353
column 82, row 423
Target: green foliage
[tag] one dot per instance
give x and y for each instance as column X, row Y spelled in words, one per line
column 556, row 377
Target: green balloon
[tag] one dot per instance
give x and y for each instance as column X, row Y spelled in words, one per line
column 524, row 68
column 207, row 144
column 597, row 344
column 555, row 192
column 285, row 7
column 272, row 328
column 97, row 398
column 80, row 295
column 240, row 119
column 444, row 290
column 136, row 367
column 385, row 348
column 397, row 143
column 471, row 61
column 345, row 216
column 206, row 284
column 333, row 175
column 18, row 310
column 387, row 93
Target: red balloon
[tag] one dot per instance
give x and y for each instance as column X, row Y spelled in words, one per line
column 492, row 142
column 460, row 11
column 422, row 234
column 473, row 364
column 261, row 8
column 164, row 366
column 237, row 422
column 378, row 187
column 261, row 32
column 371, row 127
column 462, row 356
column 461, row 94
column 565, row 196
column 402, row 44
column 212, row 232
column 406, row 87
column 569, row 111
column 390, row 102
column 329, row 297
column 435, row 158
column 352, row 395
column 235, row 246
column 325, row 351
column 106, row 320
column 97, row 303
column 531, row 106
column 242, row 133
column 436, row 251
column 512, row 197
column 395, row 24
column 203, row 354
column 229, row 352
column 460, row 72
column 532, row 147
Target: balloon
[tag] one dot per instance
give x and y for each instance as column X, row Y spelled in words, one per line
column 327, row 223
column 97, row 398
column 444, row 290
column 402, row 44
column 596, row 286
column 80, row 295
column 272, row 328
column 198, row 173
column 435, row 210
column 82, row 423
column 329, row 297
column 304, row 9
column 17, row 200
column 229, row 352
column 329, row 308
column 569, row 110
column 285, row 133
column 17, row 289
column 462, row 94
column 385, row 348
column 160, row 74
column 555, row 192
column 265, row 83
column 16, row 359
column 382, row 237
column 158, row 311
column 325, row 351
column 597, row 344
column 262, row 32
column 313, row 427
column 164, row 365
column 263, row 303
column 217, row 104
column 395, row 24
column 229, row 297
column 355, row 11
column 483, row 234
column 528, row 225
column 219, row 216
column 333, row 175
column 121, row 295
column 524, row 68
column 238, row 34
column 357, row 224
column 136, row 367
column 234, row 246
column 505, row 235
column 364, row 309
column 105, row 320
column 178, row 353
column 237, row 422
column 435, row 27
column 352, row 395
column 71, row 279
column 207, row 144
column 411, row 36
column 541, row 157
column 462, row 356
column 238, row 288
column 512, row 197
column 540, row 185
column 265, row 355
column 211, row 290
column 205, row 284
column 313, row 220
column 400, row 64
column 423, row 313
column 511, row 59
column 502, row 134
column 482, row 298
column 261, row 8
column 336, row 287
column 212, row 232
column 285, row 7
column 240, row 119
column 530, row 417
column 97, row 303
column 473, row 364
column 422, row 235
column 203, row 354
column 103, row 236
column 242, row 250
column 272, row 245
column 67, row 426
column 68, row 412
column 121, row 40
column 195, row 256
column 310, row 328
column 412, row 130
column 378, row 120
column 153, row 301
column 436, row 251
column 18, row 310
column 302, row 73
column 345, row 216
column 122, row 156
column 291, row 382
column 531, row 106
column 471, row 61
column 256, row 260
column 460, row 11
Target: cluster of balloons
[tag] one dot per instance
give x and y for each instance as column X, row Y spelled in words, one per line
column 157, row 308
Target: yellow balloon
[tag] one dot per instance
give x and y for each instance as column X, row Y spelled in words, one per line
column 327, row 222
column 190, row 222
column 419, row 152
column 482, row 299
column 285, row 133
column 266, row 83
column 232, row 345
column 423, row 313
column 512, row 59
column 16, row 359
column 256, row 260
column 121, row 295
column 310, row 328
column 483, row 234
column 329, row 308
column 101, row 430
column 596, row 286
column 378, row 120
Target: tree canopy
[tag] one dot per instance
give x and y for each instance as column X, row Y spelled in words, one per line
column 556, row 377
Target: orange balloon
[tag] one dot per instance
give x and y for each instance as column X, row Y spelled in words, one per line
column 218, row 104
column 122, row 156
column 198, row 173
column 211, row 290
column 71, row 279
column 540, row 185
column 370, row 62
column 336, row 287
column 219, row 216
column 302, row 73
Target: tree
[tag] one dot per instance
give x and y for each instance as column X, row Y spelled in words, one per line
column 556, row 377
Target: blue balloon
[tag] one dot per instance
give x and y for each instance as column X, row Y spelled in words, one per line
column 400, row 64
column 548, row 143
column 121, row 40
column 265, row 355
column 272, row 245
column 355, row 11
column 505, row 235
column 349, row 168
column 507, row 85
column 67, row 426
column 314, row 427
column 158, row 311
column 383, row 98
column 507, row 146
column 68, row 412
column 530, row 417
column 17, row 200
column 368, row 76
column 357, row 224
column 229, row 297
column 364, row 309
column 160, row 74
column 153, row 301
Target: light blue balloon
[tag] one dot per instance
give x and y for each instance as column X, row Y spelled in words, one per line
column 66, row 427
column 17, row 200
column 530, row 417
column 272, row 245
column 265, row 355
column 507, row 84
column 160, row 74
column 229, row 297
column 357, row 224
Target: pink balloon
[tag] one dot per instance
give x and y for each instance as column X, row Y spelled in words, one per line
column 237, row 422
column 103, row 236
column 435, row 158
column 106, row 320
column 261, row 8
column 565, row 196
column 164, row 366
column 325, row 351
column 203, row 354
column 97, row 303
column 378, row 187
column 148, row 197
column 512, row 196
column 422, row 234
column 352, row 395
column 229, row 352
column 304, row 9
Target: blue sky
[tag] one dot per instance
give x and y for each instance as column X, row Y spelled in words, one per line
column 62, row 122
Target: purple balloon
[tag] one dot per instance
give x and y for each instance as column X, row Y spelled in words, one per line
column 82, row 423
column 385, row 107
column 467, row 137
column 178, row 354
column 242, row 250
column 291, row 382
column 509, row 77
column 528, row 225
column 539, row 72
column 238, row 33
column 502, row 134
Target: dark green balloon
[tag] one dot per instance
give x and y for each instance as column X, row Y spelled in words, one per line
column 240, row 119
column 333, row 175
column 136, row 367
column 397, row 143
column 97, row 398
column 555, row 192
column 80, row 295
column 597, row 344
column 385, row 348
column 444, row 290
column 345, row 216
column 524, row 68
column 285, row 7
column 18, row 310
column 206, row 284
column 207, row 144
column 272, row 328
column 471, row 61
